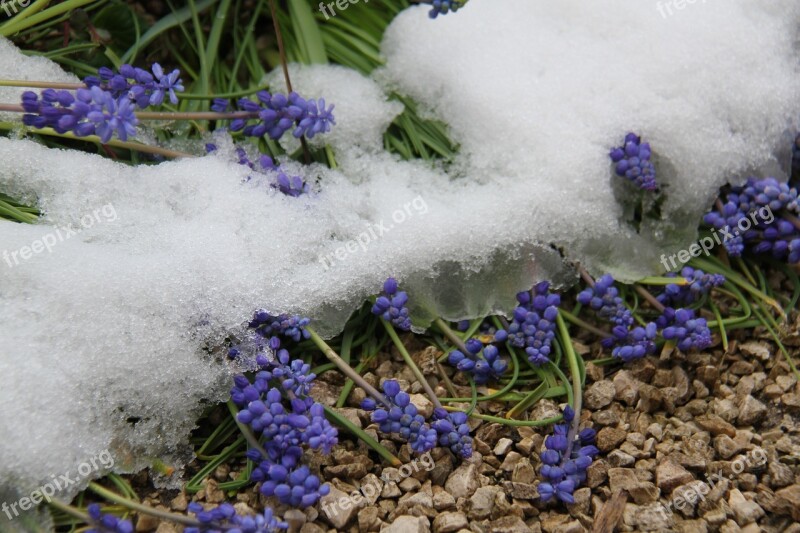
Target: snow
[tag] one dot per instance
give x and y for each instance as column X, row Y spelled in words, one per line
column 111, row 338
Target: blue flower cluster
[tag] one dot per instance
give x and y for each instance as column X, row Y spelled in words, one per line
column 565, row 460
column 224, row 519
column 633, row 162
column 289, row 185
column 275, row 114
column 484, row 367
column 628, row 342
column 682, row 327
column 699, row 284
column 443, row 7
column 86, row 112
column 276, row 405
column 533, row 325
column 142, row 87
column 403, row 419
column 287, row 326
column 106, row 523
column 391, row 306
column 604, row 299
column 761, row 215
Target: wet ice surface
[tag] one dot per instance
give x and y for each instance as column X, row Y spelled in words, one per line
column 111, row 338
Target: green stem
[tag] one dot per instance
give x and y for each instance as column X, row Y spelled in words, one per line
column 334, row 358
column 450, row 334
column 577, row 390
column 364, row 436
column 410, row 362
column 136, row 506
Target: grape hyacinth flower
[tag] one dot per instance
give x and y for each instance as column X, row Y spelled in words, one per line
column 288, row 326
column 453, row 431
column 106, row 523
column 633, row 344
column 86, row 112
column 391, row 306
column 604, row 299
column 402, row 418
column 275, row 114
column 293, row 186
column 633, row 162
column 533, row 325
column 277, row 407
column 682, row 327
column 443, row 7
column 565, row 460
column 778, row 230
column 483, row 363
column 225, row 519
column 139, row 85
column 699, row 284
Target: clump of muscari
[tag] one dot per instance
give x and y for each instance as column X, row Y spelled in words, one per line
column 533, row 325
column 277, row 406
column 443, row 7
column 225, row 519
column 698, row 285
column 142, row 87
column 760, row 216
column 565, row 459
column 402, row 419
column 604, row 299
column 633, row 162
column 275, row 114
column 484, row 364
column 391, row 306
column 289, row 185
column 106, row 523
column 85, row 112
column 687, row 331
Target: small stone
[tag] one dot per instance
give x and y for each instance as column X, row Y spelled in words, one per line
column 597, row 473
column 339, row 508
column 481, row 504
column 780, row 475
column 650, row 398
column 605, row 418
column 626, row 388
column 756, row 349
column 443, row 500
column 502, row 447
column 146, row 522
column 692, row 526
column 423, row 405
column 670, row 474
column 744, row 510
column 348, row 471
column 726, row 447
column 511, row 460
column 520, row 491
column 751, row 411
column 450, row 522
column 726, row 409
column 619, row 458
column 179, row 502
column 650, row 517
column 787, row 501
column 523, row 472
column 609, row 438
column 166, row 527
column 463, row 481
column 408, row 524
column 409, row 484
column 599, row 394
column 369, row 519
column 715, row 425
column 371, row 486
column 295, row 518
column 656, row 430
column 786, row 382
column 526, row 445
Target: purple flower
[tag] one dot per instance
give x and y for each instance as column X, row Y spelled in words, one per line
column 443, row 7
column 275, row 114
column 633, row 162
column 106, row 523
column 224, row 518
column 166, row 84
column 391, row 306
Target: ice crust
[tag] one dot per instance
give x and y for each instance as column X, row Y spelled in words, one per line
column 111, row 340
